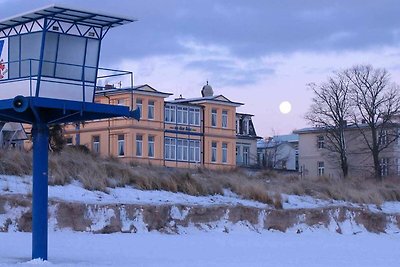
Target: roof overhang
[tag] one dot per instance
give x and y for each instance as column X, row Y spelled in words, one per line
column 218, row 102
column 66, row 14
column 134, row 90
column 244, row 114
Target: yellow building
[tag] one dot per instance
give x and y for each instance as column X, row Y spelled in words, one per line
column 179, row 133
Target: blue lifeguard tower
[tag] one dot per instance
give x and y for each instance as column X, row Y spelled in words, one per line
column 49, row 65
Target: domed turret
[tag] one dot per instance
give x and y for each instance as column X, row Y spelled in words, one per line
column 207, row 90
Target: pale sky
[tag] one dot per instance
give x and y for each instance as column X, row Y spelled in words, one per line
column 260, row 53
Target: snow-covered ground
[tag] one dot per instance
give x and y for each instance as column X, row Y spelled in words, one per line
column 241, row 247
column 130, row 195
column 320, row 248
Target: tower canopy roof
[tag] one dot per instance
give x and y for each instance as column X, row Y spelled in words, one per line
column 66, row 14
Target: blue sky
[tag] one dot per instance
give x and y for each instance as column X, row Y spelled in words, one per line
column 256, row 52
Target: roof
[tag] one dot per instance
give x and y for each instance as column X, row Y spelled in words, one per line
column 244, row 114
column 66, row 14
column 218, row 99
column 278, row 140
column 17, row 129
column 287, row 138
column 323, row 129
column 144, row 88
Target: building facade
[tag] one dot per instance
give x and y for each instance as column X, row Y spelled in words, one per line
column 186, row 133
column 279, row 152
column 12, row 135
column 246, row 140
column 317, row 159
column 125, row 138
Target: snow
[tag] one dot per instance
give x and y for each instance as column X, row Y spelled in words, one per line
column 320, row 248
column 223, row 245
column 74, row 192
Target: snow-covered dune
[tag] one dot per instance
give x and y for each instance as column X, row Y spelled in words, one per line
column 131, row 210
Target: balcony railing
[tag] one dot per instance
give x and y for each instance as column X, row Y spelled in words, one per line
column 32, row 77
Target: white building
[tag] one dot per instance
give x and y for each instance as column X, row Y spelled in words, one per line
column 279, row 152
column 12, row 135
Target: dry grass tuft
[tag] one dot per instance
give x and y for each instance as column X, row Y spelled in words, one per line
column 15, row 162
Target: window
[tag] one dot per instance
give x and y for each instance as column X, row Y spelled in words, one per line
column 197, row 117
column 185, row 150
column 182, row 115
column 224, row 119
column 179, row 115
column 150, row 110
column 191, row 116
column 151, row 146
column 213, row 151
column 384, row 166
column 321, row 142
column 139, row 104
column 182, row 150
column 121, row 145
column 170, row 148
column 139, row 145
column 173, row 148
column 167, row 148
column 170, row 113
column 194, row 116
column 96, row 144
column 185, row 115
column 121, row 102
column 383, row 138
column 224, row 152
column 179, row 148
column 214, row 117
column 237, row 126
column 321, row 168
column 246, row 150
column 194, row 151
column 238, row 156
column 245, row 126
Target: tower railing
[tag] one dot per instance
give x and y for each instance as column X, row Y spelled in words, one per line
column 73, row 79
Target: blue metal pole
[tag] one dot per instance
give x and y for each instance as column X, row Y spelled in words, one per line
column 40, row 132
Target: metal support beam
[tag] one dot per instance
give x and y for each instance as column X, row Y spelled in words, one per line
column 40, row 133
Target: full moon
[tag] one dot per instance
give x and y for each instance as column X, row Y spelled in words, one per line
column 285, row 107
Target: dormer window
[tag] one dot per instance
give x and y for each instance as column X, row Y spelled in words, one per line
column 246, row 127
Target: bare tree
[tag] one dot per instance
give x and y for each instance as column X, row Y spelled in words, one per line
column 56, row 138
column 377, row 102
column 273, row 155
column 330, row 110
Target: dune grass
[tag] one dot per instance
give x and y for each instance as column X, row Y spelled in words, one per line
column 98, row 173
